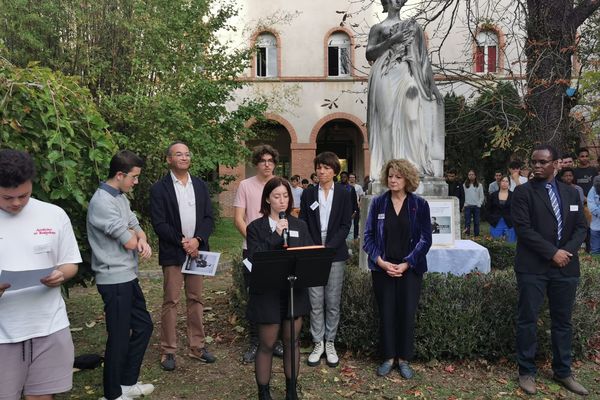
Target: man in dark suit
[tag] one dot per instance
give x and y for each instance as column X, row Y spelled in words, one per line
column 550, row 227
column 327, row 210
column 182, row 218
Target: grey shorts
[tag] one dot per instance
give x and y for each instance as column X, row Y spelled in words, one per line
column 37, row 366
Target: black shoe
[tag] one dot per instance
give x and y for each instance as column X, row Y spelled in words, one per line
column 264, row 392
column 202, row 355
column 250, row 353
column 168, row 362
column 278, row 349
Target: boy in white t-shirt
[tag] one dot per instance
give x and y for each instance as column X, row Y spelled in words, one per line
column 36, row 347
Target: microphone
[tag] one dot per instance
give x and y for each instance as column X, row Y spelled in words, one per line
column 285, row 231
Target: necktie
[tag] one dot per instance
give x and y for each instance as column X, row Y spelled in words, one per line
column 555, row 208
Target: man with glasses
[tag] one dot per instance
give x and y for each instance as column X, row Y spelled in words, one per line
column 182, row 218
column 550, row 226
column 117, row 239
column 246, row 207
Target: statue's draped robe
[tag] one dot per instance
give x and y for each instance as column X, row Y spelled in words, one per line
column 403, row 116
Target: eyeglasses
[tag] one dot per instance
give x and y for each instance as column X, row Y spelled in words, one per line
column 540, row 162
column 265, row 162
column 135, row 178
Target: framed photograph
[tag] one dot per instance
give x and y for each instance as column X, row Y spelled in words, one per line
column 205, row 264
column 442, row 221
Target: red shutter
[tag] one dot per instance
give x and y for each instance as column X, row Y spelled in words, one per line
column 479, row 59
column 492, row 57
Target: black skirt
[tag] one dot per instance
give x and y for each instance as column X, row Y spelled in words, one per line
column 272, row 307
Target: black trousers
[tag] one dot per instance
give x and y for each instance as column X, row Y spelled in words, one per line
column 129, row 327
column 561, row 291
column 397, row 300
column 356, row 224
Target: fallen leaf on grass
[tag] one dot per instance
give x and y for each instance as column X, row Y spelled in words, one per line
column 90, row 324
column 450, row 368
column 209, row 339
column 239, row 329
column 76, row 329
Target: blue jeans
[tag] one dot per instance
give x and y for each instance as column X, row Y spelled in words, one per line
column 502, row 230
column 594, row 242
column 472, row 211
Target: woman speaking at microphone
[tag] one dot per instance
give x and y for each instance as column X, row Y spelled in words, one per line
column 269, row 310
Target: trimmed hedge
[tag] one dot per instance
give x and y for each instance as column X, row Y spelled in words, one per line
column 459, row 317
column 502, row 253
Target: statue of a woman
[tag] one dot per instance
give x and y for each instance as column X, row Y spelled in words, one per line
column 405, row 114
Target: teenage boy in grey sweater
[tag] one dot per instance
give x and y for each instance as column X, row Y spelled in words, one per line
column 117, row 239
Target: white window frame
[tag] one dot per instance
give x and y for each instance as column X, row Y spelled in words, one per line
column 486, row 39
column 266, row 42
column 342, row 42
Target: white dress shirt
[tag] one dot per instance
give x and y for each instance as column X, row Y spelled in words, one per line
column 186, row 200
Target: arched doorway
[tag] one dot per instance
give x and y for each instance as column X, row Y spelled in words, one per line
column 272, row 133
column 345, row 139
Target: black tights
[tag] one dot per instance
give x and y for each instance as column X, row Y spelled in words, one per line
column 267, row 336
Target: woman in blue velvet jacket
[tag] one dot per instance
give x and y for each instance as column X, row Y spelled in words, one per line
column 397, row 238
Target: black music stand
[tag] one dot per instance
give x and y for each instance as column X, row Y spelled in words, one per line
column 291, row 268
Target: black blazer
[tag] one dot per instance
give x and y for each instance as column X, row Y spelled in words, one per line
column 260, row 237
column 340, row 218
column 537, row 230
column 495, row 210
column 166, row 220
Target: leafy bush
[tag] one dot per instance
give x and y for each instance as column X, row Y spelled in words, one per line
column 470, row 316
column 54, row 119
column 502, row 253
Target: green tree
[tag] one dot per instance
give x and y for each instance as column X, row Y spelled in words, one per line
column 156, row 69
column 486, row 133
column 54, row 119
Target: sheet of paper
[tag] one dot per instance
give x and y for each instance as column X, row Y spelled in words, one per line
column 24, row 279
column 205, row 264
column 248, row 264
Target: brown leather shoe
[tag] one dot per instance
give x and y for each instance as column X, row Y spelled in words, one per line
column 572, row 385
column 527, row 384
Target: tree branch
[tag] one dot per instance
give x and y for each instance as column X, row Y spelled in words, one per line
column 581, row 12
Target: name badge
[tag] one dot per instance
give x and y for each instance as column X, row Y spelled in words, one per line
column 380, row 216
column 573, row 207
column 294, row 234
column 314, row 205
column 248, row 264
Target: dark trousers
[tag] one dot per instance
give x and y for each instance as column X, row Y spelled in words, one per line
column 561, row 297
column 129, row 328
column 356, row 222
column 472, row 211
column 397, row 300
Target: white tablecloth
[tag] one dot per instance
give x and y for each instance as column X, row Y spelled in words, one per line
column 466, row 256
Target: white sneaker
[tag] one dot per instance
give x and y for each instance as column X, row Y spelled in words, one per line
column 332, row 357
column 314, row 358
column 137, row 390
column 121, row 397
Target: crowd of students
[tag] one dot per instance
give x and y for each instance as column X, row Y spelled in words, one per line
column 270, row 213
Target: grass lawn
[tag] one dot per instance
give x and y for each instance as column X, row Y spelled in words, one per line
column 228, row 378
column 226, row 239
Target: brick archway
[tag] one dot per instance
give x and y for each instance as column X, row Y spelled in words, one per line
column 362, row 127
